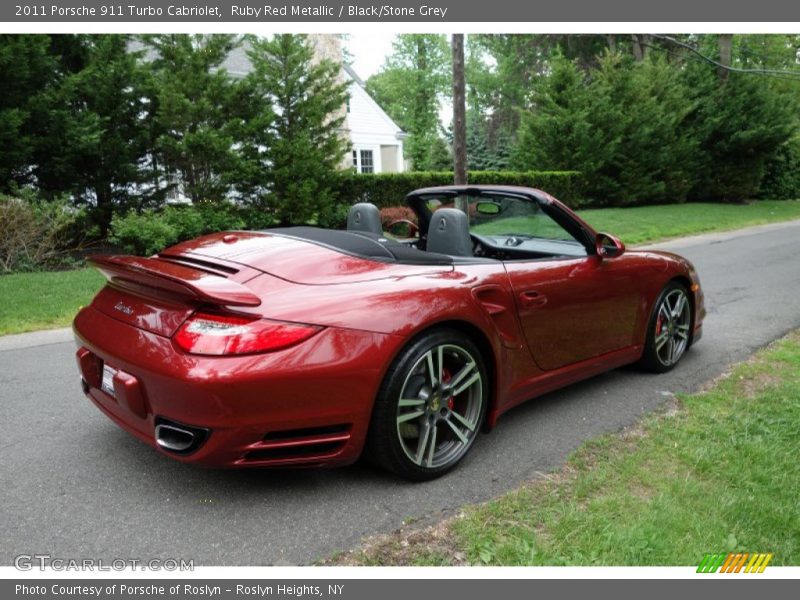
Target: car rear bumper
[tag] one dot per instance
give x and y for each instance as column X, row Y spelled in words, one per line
column 307, row 405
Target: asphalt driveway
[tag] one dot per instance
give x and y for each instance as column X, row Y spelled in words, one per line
column 73, row 485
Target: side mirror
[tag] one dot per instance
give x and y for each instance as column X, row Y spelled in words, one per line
column 608, row 246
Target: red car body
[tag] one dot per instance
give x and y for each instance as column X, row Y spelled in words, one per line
column 310, row 403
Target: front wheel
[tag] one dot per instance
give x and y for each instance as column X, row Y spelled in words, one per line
column 669, row 329
column 430, row 406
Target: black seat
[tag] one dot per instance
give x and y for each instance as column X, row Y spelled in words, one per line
column 448, row 233
column 365, row 218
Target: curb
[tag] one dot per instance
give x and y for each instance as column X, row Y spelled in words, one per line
column 32, row 339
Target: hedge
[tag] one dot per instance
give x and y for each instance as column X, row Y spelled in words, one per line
column 389, row 189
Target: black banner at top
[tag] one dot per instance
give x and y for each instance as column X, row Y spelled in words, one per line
column 434, row 11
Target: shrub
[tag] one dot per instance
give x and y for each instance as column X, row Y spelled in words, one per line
column 333, row 216
column 36, row 235
column 393, row 214
column 389, row 189
column 390, row 214
column 150, row 231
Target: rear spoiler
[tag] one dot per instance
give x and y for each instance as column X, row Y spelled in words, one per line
column 186, row 282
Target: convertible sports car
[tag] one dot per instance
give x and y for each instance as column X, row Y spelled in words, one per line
column 303, row 346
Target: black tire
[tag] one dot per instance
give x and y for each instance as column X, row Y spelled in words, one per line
column 661, row 354
column 395, row 445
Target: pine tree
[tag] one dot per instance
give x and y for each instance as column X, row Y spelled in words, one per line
column 108, row 161
column 27, row 71
column 198, row 109
column 741, row 124
column 297, row 142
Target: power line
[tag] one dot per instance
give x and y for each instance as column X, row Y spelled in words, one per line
column 782, row 74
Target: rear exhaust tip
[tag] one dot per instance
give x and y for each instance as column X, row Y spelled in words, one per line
column 177, row 438
column 174, row 438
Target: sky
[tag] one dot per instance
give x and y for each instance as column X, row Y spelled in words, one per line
column 368, row 51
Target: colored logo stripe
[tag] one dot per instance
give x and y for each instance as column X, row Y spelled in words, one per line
column 710, row 563
column 734, row 562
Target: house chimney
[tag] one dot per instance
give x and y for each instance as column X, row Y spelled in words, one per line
column 328, row 46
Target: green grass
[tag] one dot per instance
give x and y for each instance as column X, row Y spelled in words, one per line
column 717, row 473
column 651, row 223
column 30, row 301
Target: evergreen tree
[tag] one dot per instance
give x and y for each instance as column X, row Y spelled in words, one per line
column 297, row 142
column 478, row 156
column 741, row 124
column 198, row 109
column 109, row 155
column 623, row 125
column 28, row 72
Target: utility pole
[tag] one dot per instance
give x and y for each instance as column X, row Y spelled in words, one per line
column 459, row 118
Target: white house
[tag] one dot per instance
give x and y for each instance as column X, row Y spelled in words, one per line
column 377, row 141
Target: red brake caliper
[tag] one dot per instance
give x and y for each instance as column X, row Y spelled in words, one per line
column 446, row 377
column 659, row 324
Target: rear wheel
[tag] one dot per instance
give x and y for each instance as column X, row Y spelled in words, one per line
column 430, row 406
column 669, row 329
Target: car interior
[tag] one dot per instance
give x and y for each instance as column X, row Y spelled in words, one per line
column 449, row 239
column 449, row 234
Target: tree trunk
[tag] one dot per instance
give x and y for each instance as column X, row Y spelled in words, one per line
column 725, row 41
column 639, row 49
column 611, row 40
column 105, row 207
column 459, row 113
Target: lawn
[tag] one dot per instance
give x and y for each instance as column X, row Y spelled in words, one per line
column 717, row 472
column 30, row 301
column 652, row 223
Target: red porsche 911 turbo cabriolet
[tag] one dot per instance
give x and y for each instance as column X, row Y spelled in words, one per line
column 303, row 346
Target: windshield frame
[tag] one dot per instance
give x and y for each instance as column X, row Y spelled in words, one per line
column 556, row 210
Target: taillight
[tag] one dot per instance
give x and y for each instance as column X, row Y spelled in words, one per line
column 206, row 333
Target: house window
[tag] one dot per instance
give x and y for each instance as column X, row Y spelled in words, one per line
column 355, row 160
column 367, row 166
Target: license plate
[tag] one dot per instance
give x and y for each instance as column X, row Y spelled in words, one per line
column 108, row 380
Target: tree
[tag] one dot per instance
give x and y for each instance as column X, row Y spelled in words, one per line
column 108, row 160
column 623, row 125
column 298, row 143
column 198, row 108
column 410, row 86
column 27, row 71
column 741, row 124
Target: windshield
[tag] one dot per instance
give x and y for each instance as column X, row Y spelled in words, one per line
column 507, row 216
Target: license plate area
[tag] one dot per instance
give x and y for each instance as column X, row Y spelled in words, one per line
column 107, row 383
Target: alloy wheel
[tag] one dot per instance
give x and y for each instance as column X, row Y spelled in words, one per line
column 673, row 321
column 440, row 407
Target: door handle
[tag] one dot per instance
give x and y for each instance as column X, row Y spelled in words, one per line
column 532, row 299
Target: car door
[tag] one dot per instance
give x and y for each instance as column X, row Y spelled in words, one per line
column 575, row 308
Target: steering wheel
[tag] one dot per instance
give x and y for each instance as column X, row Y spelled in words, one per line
column 413, row 228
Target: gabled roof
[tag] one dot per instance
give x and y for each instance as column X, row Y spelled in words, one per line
column 353, row 76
